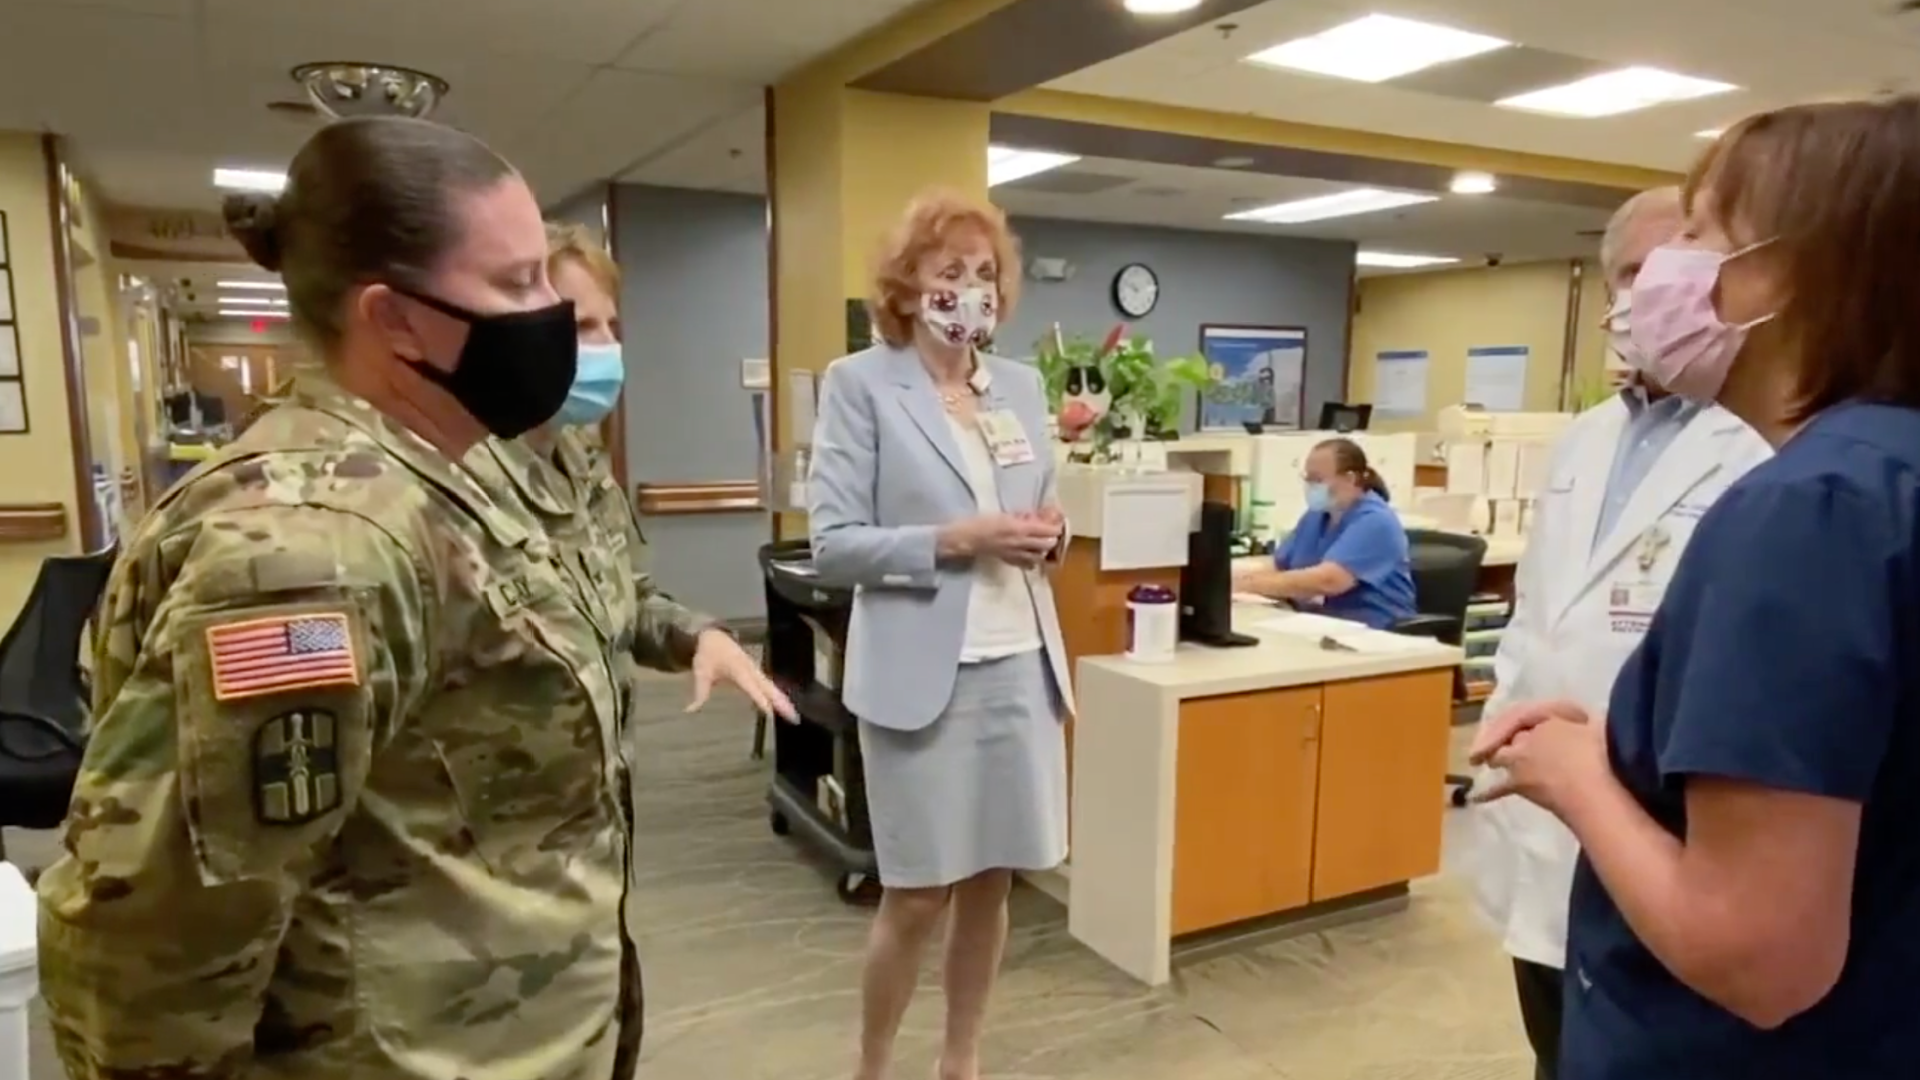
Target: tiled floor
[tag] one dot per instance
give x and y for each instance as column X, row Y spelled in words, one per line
column 752, row 964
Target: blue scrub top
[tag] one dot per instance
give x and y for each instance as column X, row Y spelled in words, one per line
column 1786, row 654
column 1368, row 542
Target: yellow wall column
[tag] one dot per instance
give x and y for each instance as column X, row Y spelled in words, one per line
column 845, row 163
column 39, row 464
column 1447, row 312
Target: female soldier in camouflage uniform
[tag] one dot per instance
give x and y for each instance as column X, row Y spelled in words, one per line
column 352, row 803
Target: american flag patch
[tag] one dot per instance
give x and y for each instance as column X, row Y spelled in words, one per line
column 283, row 652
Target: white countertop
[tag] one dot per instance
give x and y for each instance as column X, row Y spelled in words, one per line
column 1280, row 660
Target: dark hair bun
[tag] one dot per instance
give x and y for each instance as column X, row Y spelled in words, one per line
column 254, row 219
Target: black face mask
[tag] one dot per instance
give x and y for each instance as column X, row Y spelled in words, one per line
column 514, row 372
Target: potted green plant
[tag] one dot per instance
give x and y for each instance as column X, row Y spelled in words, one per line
column 1135, row 394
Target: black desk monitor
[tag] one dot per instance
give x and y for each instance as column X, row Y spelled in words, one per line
column 1206, row 582
column 179, row 409
column 213, row 410
column 1343, row 417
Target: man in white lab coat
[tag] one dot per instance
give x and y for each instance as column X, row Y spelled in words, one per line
column 1628, row 482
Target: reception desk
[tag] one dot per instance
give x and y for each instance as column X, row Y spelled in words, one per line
column 1233, row 785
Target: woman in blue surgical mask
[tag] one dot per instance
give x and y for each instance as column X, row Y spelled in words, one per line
column 1347, row 555
column 565, row 465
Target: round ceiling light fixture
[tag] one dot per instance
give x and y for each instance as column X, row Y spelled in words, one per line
column 1474, row 183
column 1161, row 7
column 342, row 90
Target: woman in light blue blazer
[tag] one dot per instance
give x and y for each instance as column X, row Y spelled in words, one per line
column 932, row 494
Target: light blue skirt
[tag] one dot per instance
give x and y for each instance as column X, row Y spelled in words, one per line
column 983, row 787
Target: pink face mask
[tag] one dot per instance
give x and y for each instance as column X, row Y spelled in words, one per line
column 1678, row 336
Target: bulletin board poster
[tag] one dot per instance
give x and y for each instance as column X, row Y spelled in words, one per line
column 1497, row 377
column 1400, row 383
column 1259, row 377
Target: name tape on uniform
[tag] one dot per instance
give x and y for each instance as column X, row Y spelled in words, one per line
column 271, row 655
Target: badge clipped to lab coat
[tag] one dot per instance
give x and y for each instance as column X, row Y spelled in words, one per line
column 1006, row 438
column 1631, row 603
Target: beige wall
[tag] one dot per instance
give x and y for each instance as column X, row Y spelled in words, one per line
column 1447, row 312
column 39, row 464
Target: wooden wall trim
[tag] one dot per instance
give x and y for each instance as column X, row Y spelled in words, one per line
column 776, row 374
column 716, row 497
column 22, row 523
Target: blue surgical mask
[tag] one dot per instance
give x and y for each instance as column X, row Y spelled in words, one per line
column 1318, row 497
column 596, row 384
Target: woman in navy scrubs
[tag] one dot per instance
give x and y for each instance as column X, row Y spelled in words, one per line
column 1747, row 905
column 1347, row 555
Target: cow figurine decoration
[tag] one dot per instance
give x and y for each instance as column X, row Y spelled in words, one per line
column 1087, row 397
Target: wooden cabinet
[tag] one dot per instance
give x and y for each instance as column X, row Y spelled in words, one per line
column 1247, row 768
column 1383, row 760
column 1286, row 798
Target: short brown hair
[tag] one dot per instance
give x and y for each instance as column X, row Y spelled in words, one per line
column 1835, row 187
column 367, row 200
column 569, row 242
column 931, row 219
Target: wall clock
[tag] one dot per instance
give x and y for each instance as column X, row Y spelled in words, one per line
column 1136, row 289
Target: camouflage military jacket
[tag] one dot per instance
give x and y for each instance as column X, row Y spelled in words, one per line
column 351, row 806
column 573, row 496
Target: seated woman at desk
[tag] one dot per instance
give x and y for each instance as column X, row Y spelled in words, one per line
column 1347, row 555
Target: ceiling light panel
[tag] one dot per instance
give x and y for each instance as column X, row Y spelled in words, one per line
column 1161, row 7
column 1393, row 260
column 1614, row 92
column 239, row 313
column 250, row 180
column 1473, row 183
column 1339, row 204
column 1377, row 48
column 272, row 286
column 253, row 301
column 1006, row 164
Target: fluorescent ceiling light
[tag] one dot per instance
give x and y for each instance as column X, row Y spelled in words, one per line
column 1615, row 92
column 1473, row 183
column 1393, row 260
column 239, row 313
column 1006, row 164
column 1161, row 7
column 1377, row 48
column 272, row 183
column 272, row 286
column 253, row 301
column 1339, row 204
column 1710, row 133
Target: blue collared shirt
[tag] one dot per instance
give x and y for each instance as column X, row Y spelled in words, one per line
column 1651, row 428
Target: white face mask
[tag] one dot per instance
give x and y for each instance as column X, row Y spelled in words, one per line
column 963, row 317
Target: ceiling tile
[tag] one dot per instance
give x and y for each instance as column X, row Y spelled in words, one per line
column 619, row 118
column 709, row 36
column 437, row 31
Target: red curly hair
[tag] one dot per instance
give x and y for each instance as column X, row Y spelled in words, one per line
column 932, row 219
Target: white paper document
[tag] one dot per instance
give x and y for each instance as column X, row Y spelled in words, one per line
column 1350, row 636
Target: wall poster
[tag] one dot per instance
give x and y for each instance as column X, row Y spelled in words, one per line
column 1400, row 383
column 1497, row 377
column 1259, row 377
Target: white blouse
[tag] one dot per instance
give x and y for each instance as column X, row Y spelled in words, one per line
column 1001, row 620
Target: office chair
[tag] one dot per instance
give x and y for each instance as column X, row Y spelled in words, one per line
column 1446, row 573
column 43, row 692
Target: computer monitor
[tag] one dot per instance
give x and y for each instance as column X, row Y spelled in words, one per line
column 213, row 410
column 179, row 409
column 1206, row 582
column 1343, row 417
